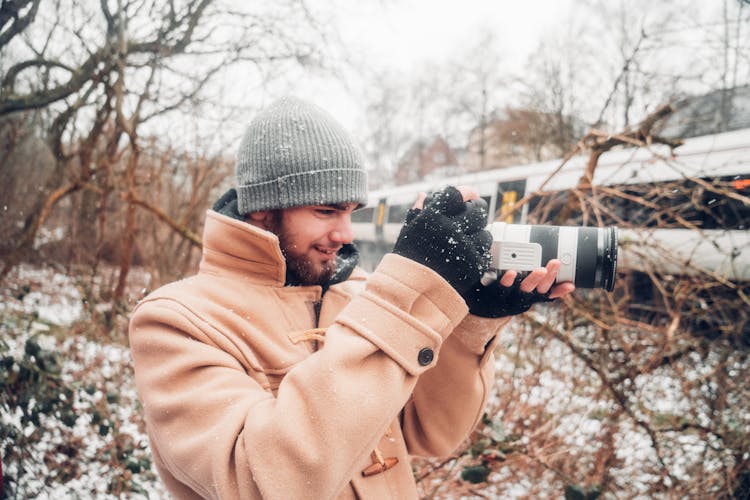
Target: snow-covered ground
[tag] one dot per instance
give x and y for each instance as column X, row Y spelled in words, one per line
column 547, row 407
column 104, row 453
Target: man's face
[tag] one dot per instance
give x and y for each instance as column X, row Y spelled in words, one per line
column 310, row 237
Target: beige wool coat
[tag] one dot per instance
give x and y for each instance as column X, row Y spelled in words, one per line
column 253, row 389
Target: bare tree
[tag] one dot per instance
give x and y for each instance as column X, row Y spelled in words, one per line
column 641, row 392
column 475, row 91
column 559, row 82
column 445, row 99
column 386, row 130
column 101, row 77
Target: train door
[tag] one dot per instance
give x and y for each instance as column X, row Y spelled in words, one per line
column 379, row 219
column 508, row 194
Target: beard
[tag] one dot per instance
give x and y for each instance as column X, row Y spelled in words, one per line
column 300, row 270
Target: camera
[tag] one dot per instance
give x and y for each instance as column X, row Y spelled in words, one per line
column 588, row 255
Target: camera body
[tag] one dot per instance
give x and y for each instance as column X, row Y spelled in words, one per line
column 588, row 255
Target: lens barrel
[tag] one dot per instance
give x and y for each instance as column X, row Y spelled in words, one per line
column 608, row 252
column 588, row 255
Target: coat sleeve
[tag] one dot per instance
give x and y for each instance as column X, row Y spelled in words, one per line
column 448, row 401
column 220, row 433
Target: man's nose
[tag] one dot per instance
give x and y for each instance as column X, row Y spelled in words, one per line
column 342, row 232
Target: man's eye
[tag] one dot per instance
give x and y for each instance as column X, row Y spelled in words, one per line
column 326, row 211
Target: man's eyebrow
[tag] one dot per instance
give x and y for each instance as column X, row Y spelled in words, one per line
column 338, row 206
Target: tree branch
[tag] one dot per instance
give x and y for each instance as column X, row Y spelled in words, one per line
column 193, row 238
column 42, row 98
column 11, row 9
column 13, row 72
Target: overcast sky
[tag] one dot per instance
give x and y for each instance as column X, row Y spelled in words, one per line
column 409, row 31
column 403, row 34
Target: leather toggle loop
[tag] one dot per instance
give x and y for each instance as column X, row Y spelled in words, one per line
column 379, row 464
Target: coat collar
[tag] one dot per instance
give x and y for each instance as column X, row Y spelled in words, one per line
column 236, row 246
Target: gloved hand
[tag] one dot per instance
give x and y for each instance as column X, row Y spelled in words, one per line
column 496, row 301
column 448, row 236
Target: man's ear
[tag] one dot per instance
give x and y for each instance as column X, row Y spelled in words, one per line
column 262, row 219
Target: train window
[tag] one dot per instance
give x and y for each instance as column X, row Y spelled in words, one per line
column 721, row 208
column 397, row 213
column 549, row 207
column 705, row 203
column 508, row 193
column 709, row 203
column 363, row 214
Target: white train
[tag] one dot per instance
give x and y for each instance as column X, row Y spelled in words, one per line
column 682, row 213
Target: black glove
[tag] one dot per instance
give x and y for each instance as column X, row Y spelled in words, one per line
column 496, row 301
column 448, row 236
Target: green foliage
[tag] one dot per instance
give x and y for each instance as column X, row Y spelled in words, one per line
column 488, row 449
column 495, row 427
column 475, row 473
column 42, row 401
column 23, row 291
column 575, row 492
column 32, row 385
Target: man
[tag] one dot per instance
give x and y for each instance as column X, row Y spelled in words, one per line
column 283, row 371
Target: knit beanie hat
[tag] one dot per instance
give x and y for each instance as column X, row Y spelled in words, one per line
column 293, row 154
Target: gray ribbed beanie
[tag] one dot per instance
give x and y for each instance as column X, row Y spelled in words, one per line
column 294, row 153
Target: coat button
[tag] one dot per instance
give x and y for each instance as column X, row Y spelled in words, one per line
column 425, row 356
